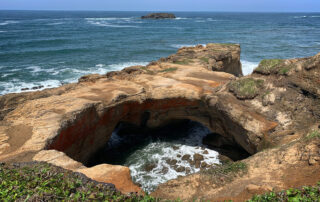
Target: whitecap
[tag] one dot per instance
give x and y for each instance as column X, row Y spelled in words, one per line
column 8, row 22
column 103, row 19
column 248, row 67
column 56, row 23
column 5, row 75
column 315, row 16
column 34, row 69
column 200, row 21
column 107, row 24
column 2, row 31
column 179, row 18
column 212, row 20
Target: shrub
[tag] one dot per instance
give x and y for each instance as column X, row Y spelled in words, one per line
column 246, row 88
column 268, row 66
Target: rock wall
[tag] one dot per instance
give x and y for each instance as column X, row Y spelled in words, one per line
column 66, row 125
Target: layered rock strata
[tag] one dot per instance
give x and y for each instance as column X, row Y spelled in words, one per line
column 67, row 125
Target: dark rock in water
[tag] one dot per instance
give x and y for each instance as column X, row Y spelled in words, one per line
column 37, row 87
column 204, row 165
column 150, row 167
column 171, row 162
column 164, row 170
column 180, row 169
column 175, row 148
column 186, row 157
column 197, row 157
column 159, row 16
column 197, row 164
column 24, row 89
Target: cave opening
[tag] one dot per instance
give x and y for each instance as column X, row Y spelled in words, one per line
column 154, row 156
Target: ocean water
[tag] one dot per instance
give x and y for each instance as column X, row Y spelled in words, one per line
column 156, row 157
column 50, row 48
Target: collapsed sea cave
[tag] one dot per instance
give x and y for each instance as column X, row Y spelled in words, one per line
column 171, row 138
column 157, row 155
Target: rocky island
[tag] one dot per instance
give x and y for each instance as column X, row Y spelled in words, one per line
column 159, row 16
column 272, row 114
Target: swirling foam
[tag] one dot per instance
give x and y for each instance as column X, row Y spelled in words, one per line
column 248, row 67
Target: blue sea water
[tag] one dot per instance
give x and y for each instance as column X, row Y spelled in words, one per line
column 51, row 48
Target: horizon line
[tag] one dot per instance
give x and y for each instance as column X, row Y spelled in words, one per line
column 55, row 10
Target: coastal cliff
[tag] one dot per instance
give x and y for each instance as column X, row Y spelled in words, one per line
column 269, row 114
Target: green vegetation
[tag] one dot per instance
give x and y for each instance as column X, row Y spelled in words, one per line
column 246, row 88
column 305, row 194
column 44, row 182
column 313, row 134
column 286, row 69
column 226, row 171
column 205, row 60
column 182, row 62
column 171, row 69
column 147, row 70
column 268, row 66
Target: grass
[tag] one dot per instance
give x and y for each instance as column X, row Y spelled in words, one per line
column 44, row 182
column 171, row 69
column 268, row 66
column 313, row 135
column 305, row 194
column 205, row 60
column 225, row 171
column 147, row 70
column 182, row 62
column 286, row 69
column 246, row 88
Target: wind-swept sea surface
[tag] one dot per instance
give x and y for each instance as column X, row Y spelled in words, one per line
column 50, row 48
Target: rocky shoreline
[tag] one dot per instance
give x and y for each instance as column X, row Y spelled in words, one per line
column 273, row 115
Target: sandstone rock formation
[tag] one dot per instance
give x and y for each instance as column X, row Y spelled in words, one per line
column 276, row 105
column 159, row 16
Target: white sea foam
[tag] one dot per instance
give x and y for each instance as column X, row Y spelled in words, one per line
column 34, row 69
column 56, row 23
column 103, row 19
column 248, row 67
column 301, row 16
column 304, row 16
column 159, row 152
column 185, row 45
column 1, row 31
column 107, row 24
column 179, row 18
column 8, row 22
column 16, row 86
column 5, row 75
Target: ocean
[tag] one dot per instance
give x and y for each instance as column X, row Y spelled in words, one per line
column 51, row 48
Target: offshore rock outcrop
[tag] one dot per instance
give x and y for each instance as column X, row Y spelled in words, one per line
column 67, row 125
column 159, row 16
